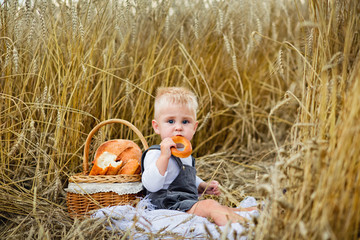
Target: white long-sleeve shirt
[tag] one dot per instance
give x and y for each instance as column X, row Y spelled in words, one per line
column 153, row 181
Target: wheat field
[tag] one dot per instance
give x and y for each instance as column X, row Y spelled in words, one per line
column 278, row 83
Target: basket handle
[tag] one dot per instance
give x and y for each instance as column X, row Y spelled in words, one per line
column 96, row 128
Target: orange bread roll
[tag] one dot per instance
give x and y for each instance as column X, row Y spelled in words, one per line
column 138, row 170
column 113, row 170
column 96, row 170
column 187, row 147
column 103, row 163
column 112, row 155
column 130, row 167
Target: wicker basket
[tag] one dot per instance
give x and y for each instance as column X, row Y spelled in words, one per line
column 79, row 204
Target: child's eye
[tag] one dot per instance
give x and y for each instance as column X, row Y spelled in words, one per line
column 171, row 121
column 185, row 121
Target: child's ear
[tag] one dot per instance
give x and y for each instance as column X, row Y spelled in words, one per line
column 155, row 126
column 196, row 125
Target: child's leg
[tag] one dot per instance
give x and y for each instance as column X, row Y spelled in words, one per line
column 214, row 210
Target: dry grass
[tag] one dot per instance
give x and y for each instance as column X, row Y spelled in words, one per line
column 277, row 82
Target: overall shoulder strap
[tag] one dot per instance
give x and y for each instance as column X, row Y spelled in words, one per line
column 156, row 147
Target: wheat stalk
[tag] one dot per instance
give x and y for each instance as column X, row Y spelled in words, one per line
column 196, row 27
column 16, row 60
column 43, row 25
column 227, row 44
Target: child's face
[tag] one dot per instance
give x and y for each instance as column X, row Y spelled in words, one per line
column 175, row 119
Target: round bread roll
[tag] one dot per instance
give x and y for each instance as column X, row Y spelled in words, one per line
column 131, row 167
column 113, row 154
column 114, row 168
column 187, row 147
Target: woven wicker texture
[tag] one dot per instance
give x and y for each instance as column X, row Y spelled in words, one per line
column 80, row 204
column 121, row 178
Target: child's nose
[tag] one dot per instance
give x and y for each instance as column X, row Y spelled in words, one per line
column 178, row 126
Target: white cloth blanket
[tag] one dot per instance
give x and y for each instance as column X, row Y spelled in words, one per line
column 143, row 222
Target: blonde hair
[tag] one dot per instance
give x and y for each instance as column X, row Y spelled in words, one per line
column 175, row 95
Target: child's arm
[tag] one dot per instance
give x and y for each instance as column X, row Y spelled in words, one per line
column 151, row 178
column 163, row 161
column 209, row 188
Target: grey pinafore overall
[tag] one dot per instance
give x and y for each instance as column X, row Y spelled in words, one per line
column 182, row 193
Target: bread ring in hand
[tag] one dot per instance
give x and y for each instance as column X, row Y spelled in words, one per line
column 187, row 147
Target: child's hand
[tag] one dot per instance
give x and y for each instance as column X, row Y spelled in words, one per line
column 165, row 147
column 211, row 188
column 163, row 161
